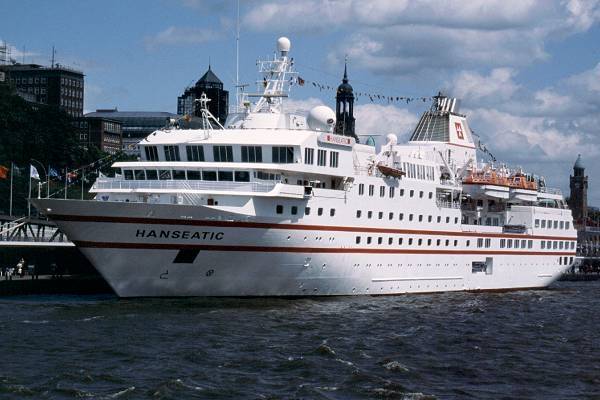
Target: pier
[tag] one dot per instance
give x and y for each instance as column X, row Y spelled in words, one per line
column 29, row 232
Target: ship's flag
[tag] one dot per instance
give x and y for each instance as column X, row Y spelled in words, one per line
column 53, row 173
column 71, row 176
column 33, row 172
column 3, row 172
column 301, row 81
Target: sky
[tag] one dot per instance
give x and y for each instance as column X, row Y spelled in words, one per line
column 527, row 71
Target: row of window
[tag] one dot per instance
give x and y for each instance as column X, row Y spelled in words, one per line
column 551, row 224
column 279, row 209
column 391, row 191
column 30, row 80
column 553, row 244
column 71, row 92
column 416, row 171
column 411, row 241
column 71, row 103
column 192, row 175
column 528, row 244
column 380, row 215
column 309, row 157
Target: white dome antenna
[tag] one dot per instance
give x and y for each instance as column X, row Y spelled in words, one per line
column 321, row 119
column 283, row 46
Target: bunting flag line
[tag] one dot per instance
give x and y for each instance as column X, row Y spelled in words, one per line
column 372, row 97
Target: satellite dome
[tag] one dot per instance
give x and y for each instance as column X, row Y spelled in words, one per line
column 283, row 45
column 392, row 139
column 321, row 119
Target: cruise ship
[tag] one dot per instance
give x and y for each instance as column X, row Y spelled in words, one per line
column 275, row 203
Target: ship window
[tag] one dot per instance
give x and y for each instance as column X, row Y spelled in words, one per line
column 223, row 153
column 380, row 215
column 410, row 217
column 411, row 193
column 209, row 175
column 322, row 158
column 509, row 243
column 543, row 223
column 543, row 244
column 447, row 242
column 368, row 239
column 456, row 220
column 392, row 192
column 555, row 245
column 400, row 241
column 410, row 241
column 428, row 242
column 420, row 242
column 391, row 215
column 294, row 210
column 455, row 243
column 562, row 224
column 537, row 223
column 523, row 243
column 488, row 242
column 172, row 153
column 195, row 153
column 128, row 174
column 151, row 153
column 560, row 245
column 379, row 240
column 371, row 190
column 309, row 155
column 567, row 225
column 447, row 220
column 429, row 219
column 358, row 240
column 358, row 213
column 251, row 154
column 242, row 176
column 333, row 159
column 555, row 224
column 369, row 214
column 193, row 175
column 530, row 244
column 390, row 241
column 306, row 210
column 572, row 245
column 420, row 194
column 420, row 218
column 164, row 174
column 361, row 189
column 381, row 191
column 332, row 212
column 151, row 174
column 439, row 219
column 139, row 175
column 401, row 216
column 178, row 174
column 225, row 175
column 468, row 243
column 401, row 192
column 279, row 209
column 480, row 242
column 319, row 211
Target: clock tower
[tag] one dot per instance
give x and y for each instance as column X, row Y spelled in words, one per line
column 578, row 198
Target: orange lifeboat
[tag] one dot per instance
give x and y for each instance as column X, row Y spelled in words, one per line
column 390, row 171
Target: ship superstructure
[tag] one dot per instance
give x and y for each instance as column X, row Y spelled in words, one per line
column 274, row 203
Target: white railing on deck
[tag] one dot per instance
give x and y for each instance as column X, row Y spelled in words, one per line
column 176, row 185
column 550, row 190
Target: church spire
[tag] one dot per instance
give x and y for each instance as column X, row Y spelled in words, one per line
column 344, row 110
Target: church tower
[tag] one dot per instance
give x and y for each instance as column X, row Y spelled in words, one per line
column 579, row 187
column 212, row 86
column 344, row 108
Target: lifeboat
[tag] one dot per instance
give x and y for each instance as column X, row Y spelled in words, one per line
column 390, row 171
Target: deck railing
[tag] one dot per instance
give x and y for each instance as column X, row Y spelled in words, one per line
column 176, row 185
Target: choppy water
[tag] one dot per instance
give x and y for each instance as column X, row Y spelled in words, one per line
column 533, row 344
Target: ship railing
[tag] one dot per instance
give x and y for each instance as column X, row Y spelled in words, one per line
column 447, row 204
column 175, row 185
column 550, row 190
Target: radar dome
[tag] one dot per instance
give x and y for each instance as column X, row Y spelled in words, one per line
column 321, row 119
column 283, row 45
column 392, row 139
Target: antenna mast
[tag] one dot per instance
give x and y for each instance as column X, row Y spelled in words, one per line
column 53, row 53
column 237, row 55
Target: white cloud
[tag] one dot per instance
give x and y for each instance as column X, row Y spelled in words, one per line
column 180, row 36
column 498, row 85
column 377, row 119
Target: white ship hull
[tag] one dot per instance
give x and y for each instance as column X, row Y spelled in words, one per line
column 166, row 250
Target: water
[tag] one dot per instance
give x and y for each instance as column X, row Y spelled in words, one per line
column 532, row 344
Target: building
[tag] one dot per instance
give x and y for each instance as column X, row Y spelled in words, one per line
column 104, row 133
column 210, row 84
column 55, row 86
column 579, row 188
column 344, row 108
column 135, row 125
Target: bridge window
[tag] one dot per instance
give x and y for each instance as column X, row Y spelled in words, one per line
column 193, row 175
column 333, row 159
column 309, row 156
column 480, row 242
column 164, row 174
column 322, row 158
column 151, row 153
column 555, row 224
column 179, row 174
column 226, row 175
column 252, row 154
column 139, row 175
column 209, row 175
column 172, row 153
column 223, row 153
column 128, row 174
column 194, row 153
column 151, row 174
column 242, row 176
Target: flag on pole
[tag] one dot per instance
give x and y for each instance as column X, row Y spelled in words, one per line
column 3, row 172
column 301, row 81
column 71, row 176
column 53, row 173
column 33, row 172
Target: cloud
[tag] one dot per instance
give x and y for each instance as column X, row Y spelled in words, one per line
column 377, row 119
column 498, row 85
column 174, row 36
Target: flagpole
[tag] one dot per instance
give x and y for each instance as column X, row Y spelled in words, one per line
column 66, row 173
column 82, row 180
column 48, row 183
column 28, row 197
column 12, row 172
